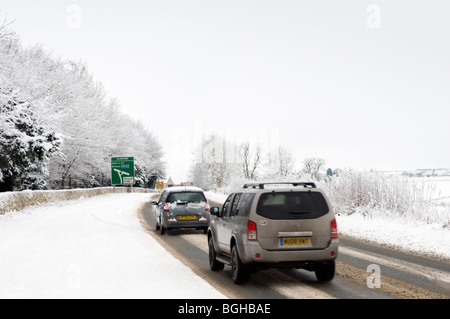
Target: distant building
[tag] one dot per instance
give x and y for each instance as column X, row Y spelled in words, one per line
column 171, row 183
column 187, row 184
column 433, row 172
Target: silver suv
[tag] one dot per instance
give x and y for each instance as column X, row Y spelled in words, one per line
column 274, row 225
column 182, row 207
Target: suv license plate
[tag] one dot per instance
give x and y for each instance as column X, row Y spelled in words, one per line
column 186, row 217
column 294, row 241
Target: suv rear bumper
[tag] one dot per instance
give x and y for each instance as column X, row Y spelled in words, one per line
column 249, row 254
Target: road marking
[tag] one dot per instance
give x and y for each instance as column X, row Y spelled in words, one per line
column 198, row 240
column 275, row 280
column 290, row 287
column 419, row 270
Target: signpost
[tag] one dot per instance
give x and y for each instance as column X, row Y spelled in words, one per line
column 160, row 185
column 122, row 171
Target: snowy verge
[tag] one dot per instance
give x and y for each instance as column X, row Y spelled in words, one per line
column 90, row 248
column 430, row 240
column 404, row 234
column 15, row 201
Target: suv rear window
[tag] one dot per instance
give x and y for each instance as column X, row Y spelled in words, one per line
column 187, row 197
column 292, row 205
column 244, row 205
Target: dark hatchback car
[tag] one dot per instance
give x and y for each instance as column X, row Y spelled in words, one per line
column 182, row 207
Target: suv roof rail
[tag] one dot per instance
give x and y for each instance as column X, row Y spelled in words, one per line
column 261, row 185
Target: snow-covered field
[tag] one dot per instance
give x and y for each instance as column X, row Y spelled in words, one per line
column 90, row 248
column 440, row 184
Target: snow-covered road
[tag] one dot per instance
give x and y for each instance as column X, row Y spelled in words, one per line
column 90, row 248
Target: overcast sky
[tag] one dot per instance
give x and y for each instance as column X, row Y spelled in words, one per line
column 362, row 84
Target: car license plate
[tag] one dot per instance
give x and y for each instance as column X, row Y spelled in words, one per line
column 187, row 217
column 294, row 241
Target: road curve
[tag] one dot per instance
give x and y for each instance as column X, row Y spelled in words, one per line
column 360, row 267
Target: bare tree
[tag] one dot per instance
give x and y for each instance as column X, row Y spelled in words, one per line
column 251, row 159
column 312, row 166
column 281, row 164
column 210, row 168
column 286, row 162
column 4, row 30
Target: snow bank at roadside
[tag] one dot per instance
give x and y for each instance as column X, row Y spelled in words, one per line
column 404, row 234
column 15, row 201
column 411, row 236
column 90, row 248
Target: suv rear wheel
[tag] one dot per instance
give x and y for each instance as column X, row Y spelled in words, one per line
column 240, row 273
column 325, row 271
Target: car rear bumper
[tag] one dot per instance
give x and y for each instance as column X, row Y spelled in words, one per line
column 173, row 223
column 253, row 253
column 198, row 225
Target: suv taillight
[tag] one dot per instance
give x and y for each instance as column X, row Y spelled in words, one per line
column 166, row 207
column 251, row 231
column 333, row 229
column 207, row 207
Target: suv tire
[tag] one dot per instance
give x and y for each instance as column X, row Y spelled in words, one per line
column 214, row 265
column 239, row 272
column 325, row 272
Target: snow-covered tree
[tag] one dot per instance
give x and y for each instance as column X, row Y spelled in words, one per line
column 26, row 146
column 251, row 158
column 280, row 164
column 313, row 166
column 61, row 99
column 212, row 166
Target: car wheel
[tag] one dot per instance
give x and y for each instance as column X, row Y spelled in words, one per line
column 156, row 219
column 325, row 272
column 239, row 272
column 157, row 227
column 162, row 229
column 213, row 263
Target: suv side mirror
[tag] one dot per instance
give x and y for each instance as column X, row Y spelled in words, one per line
column 154, row 202
column 215, row 211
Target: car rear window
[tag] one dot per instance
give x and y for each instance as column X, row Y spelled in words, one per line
column 186, row 197
column 292, row 205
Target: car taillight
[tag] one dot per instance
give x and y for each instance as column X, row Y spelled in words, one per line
column 166, row 207
column 207, row 207
column 251, row 231
column 333, row 229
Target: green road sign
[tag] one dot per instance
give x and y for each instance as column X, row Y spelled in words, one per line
column 122, row 170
